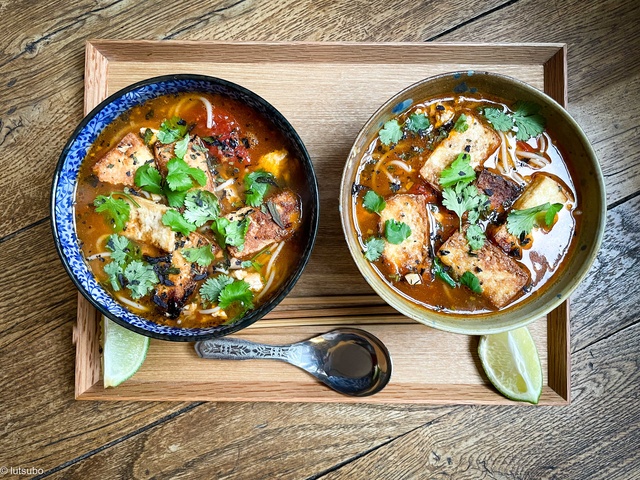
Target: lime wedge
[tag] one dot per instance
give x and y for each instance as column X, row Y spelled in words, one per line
column 511, row 362
column 123, row 352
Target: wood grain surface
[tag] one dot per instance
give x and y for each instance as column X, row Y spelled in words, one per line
column 43, row 427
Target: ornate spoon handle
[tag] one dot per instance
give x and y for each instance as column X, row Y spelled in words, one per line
column 238, row 349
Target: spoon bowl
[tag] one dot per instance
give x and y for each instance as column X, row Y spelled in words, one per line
column 348, row 360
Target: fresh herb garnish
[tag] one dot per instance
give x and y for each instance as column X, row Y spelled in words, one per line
column 373, row 248
column 521, row 222
column 529, row 122
column 525, row 118
column 417, row 122
column 201, row 206
column 475, row 237
column 149, row 179
column 439, row 270
column 390, row 132
column 461, row 199
column 172, row 130
column 471, row 281
column 180, row 175
column 373, row 202
column 236, row 292
column 275, row 215
column 211, row 288
column 122, row 249
column 141, row 278
column 396, row 232
column 115, row 209
column 203, row 256
column 115, row 271
column 174, row 220
column 460, row 170
column 230, row 232
column 500, row 119
column 257, row 184
column 174, row 199
column 181, row 146
column 461, row 124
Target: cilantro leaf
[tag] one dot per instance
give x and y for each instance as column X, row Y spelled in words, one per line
column 171, row 130
column 179, row 175
column 201, row 206
column 462, row 199
column 177, row 223
column 210, row 289
column 180, row 148
column 114, row 270
column 529, row 122
column 148, row 178
column 500, row 120
column 257, row 184
column 373, row 202
column 141, row 278
column 439, row 271
column 390, row 132
column 461, row 124
column 550, row 216
column 175, row 199
column 417, row 122
column 115, row 209
column 521, row 222
column 236, row 292
column 396, row 232
column 230, row 232
column 373, row 248
column 475, row 237
column 120, row 247
column 460, row 170
column 203, row 256
column 471, row 281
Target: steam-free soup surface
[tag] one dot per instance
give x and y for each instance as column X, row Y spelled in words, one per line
column 466, row 204
column 188, row 209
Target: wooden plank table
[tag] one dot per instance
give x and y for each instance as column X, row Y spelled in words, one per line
column 49, row 434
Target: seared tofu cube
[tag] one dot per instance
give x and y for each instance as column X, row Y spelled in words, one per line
column 263, row 228
column 174, row 289
column 411, row 255
column 119, row 165
column 501, row 192
column 196, row 156
column 145, row 225
column 479, row 141
column 501, row 278
column 541, row 190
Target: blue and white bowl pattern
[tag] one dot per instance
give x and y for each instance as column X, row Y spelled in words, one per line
column 65, row 183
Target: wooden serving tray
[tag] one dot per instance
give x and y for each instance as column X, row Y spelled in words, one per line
column 327, row 91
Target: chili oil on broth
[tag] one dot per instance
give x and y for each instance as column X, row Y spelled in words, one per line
column 93, row 229
column 384, row 170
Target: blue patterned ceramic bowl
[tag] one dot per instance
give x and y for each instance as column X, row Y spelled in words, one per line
column 65, row 182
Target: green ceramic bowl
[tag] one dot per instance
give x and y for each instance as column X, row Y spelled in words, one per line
column 580, row 155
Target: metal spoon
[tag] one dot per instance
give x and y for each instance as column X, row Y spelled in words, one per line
column 348, row 360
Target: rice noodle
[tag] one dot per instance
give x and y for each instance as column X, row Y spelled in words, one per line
column 224, row 185
column 132, row 304
column 211, row 311
column 266, row 287
column 376, row 167
column 174, row 111
column 99, row 255
column 273, row 257
column 209, row 108
column 503, row 152
column 146, row 194
column 101, row 239
column 532, row 156
column 517, row 177
column 402, row 165
column 542, row 143
column 155, row 197
column 391, row 178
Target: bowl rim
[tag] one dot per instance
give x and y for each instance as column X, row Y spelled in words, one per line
column 312, row 187
column 403, row 304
